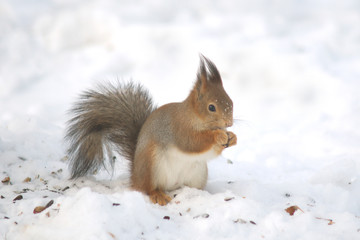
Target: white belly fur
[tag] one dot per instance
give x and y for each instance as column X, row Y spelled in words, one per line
column 174, row 169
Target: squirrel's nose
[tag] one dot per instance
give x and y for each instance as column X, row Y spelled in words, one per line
column 229, row 123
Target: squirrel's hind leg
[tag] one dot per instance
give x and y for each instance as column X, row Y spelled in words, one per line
column 159, row 196
column 142, row 175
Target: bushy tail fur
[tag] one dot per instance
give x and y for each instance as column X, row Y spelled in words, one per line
column 112, row 116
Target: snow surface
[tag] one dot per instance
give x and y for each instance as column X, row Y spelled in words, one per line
column 291, row 67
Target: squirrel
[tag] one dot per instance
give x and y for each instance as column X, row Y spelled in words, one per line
column 168, row 147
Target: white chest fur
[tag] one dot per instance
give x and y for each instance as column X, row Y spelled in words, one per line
column 175, row 169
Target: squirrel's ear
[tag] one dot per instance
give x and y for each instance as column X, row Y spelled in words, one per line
column 207, row 73
column 214, row 75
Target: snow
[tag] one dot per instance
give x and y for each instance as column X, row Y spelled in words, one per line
column 292, row 69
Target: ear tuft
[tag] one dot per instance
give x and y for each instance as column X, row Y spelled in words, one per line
column 206, row 74
column 208, row 70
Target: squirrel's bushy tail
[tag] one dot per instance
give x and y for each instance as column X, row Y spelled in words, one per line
column 112, row 116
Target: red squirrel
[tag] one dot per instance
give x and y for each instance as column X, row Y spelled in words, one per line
column 168, row 147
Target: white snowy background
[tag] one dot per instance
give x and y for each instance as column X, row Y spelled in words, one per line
column 292, row 69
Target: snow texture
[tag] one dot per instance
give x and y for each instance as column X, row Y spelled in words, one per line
column 292, row 69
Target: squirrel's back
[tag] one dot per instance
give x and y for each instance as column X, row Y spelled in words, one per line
column 111, row 116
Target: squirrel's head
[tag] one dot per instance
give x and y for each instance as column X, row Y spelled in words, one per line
column 212, row 104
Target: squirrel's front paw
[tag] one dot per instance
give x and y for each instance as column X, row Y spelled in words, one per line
column 221, row 138
column 232, row 139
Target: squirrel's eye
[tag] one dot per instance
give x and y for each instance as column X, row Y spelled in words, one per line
column 212, row 108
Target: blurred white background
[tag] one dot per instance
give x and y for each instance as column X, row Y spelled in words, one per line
column 292, row 69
